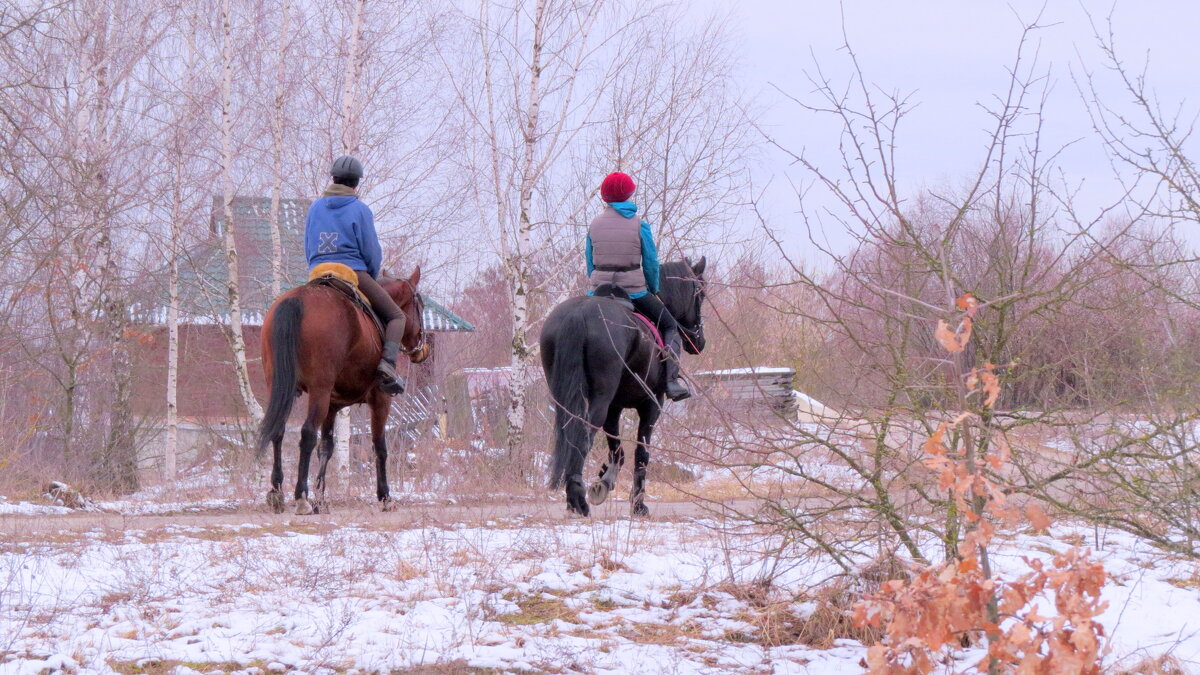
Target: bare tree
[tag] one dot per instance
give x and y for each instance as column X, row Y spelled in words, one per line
column 543, row 94
column 233, row 293
column 278, row 100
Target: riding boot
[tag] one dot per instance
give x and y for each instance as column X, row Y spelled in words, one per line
column 390, row 382
column 676, row 389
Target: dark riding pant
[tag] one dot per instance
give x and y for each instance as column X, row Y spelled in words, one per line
column 383, row 304
column 651, row 307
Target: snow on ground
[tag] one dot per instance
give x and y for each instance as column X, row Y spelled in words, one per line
column 29, row 508
column 513, row 595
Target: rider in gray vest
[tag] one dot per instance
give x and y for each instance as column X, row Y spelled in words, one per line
column 620, row 251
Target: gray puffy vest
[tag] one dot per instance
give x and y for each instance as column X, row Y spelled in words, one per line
column 617, row 251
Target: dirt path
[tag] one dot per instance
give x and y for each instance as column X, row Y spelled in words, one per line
column 351, row 513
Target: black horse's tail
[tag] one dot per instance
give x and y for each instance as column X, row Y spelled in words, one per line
column 285, row 345
column 568, row 384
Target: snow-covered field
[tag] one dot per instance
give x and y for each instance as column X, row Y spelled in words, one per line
column 540, row 595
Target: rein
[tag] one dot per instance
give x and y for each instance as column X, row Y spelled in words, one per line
column 691, row 333
column 422, row 337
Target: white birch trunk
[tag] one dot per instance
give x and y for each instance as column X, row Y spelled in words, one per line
column 277, row 152
column 237, row 339
column 350, row 83
column 519, row 266
column 339, row 466
column 171, row 447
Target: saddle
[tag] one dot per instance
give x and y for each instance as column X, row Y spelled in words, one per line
column 618, row 294
column 344, row 280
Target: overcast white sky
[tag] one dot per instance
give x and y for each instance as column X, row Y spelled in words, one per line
column 951, row 54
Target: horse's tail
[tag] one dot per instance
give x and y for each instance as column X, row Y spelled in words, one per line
column 568, row 383
column 285, row 346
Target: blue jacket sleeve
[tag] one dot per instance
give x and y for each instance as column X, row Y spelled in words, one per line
column 368, row 243
column 587, row 255
column 649, row 258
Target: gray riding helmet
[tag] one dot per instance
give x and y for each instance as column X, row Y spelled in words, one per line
column 346, row 167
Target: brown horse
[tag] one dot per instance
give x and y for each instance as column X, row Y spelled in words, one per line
column 316, row 341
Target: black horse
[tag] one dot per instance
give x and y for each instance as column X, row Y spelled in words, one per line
column 600, row 359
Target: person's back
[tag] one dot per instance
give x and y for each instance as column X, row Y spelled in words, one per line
column 341, row 229
column 620, row 250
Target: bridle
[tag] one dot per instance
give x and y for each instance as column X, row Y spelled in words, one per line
column 422, row 337
column 692, row 333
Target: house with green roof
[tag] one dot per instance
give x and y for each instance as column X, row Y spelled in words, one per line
column 203, row 271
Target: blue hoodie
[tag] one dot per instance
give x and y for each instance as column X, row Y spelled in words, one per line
column 342, row 230
column 649, row 250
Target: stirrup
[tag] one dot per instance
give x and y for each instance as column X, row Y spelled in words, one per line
column 677, row 391
column 389, row 381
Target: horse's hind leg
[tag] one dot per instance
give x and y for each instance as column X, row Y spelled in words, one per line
column 275, row 496
column 318, row 408
column 321, row 504
column 647, row 417
column 598, row 491
column 576, row 493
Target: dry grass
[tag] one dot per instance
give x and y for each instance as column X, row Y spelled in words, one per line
column 666, row 634
column 165, row 667
column 540, row 609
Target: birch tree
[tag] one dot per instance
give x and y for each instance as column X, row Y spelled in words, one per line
column 82, row 94
column 556, row 95
column 349, row 142
column 185, row 126
column 236, row 335
column 278, row 99
column 525, row 106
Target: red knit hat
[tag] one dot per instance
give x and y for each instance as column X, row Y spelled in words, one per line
column 617, row 187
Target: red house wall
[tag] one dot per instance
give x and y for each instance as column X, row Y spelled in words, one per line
column 207, row 385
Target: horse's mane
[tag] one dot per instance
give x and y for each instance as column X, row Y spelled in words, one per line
column 677, row 293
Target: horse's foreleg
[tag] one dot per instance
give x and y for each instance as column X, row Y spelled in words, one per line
column 598, row 491
column 318, row 408
column 647, row 417
column 379, row 413
column 275, row 496
column 324, row 454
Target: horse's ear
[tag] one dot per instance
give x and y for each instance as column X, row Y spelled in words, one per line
column 698, row 268
column 415, row 277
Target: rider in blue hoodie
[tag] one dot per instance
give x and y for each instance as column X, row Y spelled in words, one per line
column 341, row 229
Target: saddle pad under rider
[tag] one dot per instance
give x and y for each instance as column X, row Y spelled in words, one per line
column 618, row 294
column 343, row 279
column 658, row 338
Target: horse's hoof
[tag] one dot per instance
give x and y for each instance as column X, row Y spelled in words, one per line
column 581, row 511
column 388, row 505
column 597, row 492
column 303, row 507
column 320, row 506
column 639, row 510
column 275, row 501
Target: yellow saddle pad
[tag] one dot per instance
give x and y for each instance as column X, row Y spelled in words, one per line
column 338, row 271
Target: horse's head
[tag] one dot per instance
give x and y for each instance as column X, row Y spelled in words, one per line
column 415, row 343
column 682, row 290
